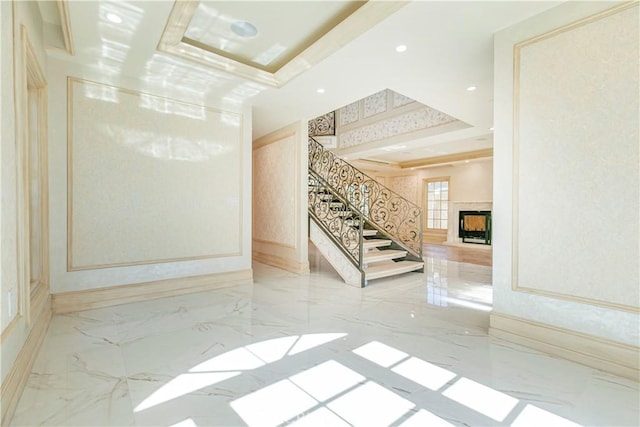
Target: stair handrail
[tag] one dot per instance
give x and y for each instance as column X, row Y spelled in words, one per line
column 385, row 209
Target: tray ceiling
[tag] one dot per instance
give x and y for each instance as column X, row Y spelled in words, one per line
column 265, row 41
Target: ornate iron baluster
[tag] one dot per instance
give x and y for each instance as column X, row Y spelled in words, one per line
column 335, row 215
column 379, row 205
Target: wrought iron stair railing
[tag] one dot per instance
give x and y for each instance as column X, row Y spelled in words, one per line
column 368, row 201
column 340, row 221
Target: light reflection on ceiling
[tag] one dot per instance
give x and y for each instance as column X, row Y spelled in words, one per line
column 277, row 40
column 132, row 52
column 291, row 37
column 116, row 39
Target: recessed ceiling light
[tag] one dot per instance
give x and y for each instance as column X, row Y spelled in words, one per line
column 320, row 90
column 401, row 48
column 471, row 88
column 244, row 29
column 114, row 18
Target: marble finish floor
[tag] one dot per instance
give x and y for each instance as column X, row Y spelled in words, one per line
column 310, row 351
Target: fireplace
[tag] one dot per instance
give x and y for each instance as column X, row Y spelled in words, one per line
column 475, row 227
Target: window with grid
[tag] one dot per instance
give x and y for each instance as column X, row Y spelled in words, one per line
column 438, row 203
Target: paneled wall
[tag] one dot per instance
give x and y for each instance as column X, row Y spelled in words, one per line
column 25, row 315
column 149, row 188
column 279, row 198
column 140, row 163
column 148, row 184
column 567, row 181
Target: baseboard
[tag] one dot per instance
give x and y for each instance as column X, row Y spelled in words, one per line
column 434, row 237
column 471, row 246
column 16, row 380
column 87, row 299
column 280, row 262
column 600, row 353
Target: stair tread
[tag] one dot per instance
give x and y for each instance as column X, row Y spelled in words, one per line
column 368, row 232
column 373, row 243
column 392, row 268
column 375, row 255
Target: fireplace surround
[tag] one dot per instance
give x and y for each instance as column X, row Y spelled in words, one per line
column 453, row 232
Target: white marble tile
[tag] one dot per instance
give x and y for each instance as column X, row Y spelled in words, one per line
column 215, row 358
column 70, row 387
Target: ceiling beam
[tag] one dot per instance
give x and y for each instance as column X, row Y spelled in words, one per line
column 449, row 158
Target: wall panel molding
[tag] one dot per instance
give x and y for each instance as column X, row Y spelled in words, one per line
column 32, row 165
column 584, row 177
column 279, row 199
column 149, row 164
column 65, row 24
column 275, row 170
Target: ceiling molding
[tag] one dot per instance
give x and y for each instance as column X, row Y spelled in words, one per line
column 173, row 41
column 430, row 161
column 65, row 25
column 374, row 165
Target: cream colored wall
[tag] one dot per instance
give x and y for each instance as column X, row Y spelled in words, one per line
column 173, row 169
column 469, row 182
column 566, row 201
column 17, row 18
column 206, row 201
column 279, row 198
column 139, row 164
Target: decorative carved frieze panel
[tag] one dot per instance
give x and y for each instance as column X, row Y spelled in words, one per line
column 385, row 114
column 375, row 104
column 399, row 100
column 404, row 123
column 323, row 125
column 349, row 114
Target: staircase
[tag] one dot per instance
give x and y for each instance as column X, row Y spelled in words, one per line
column 365, row 230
